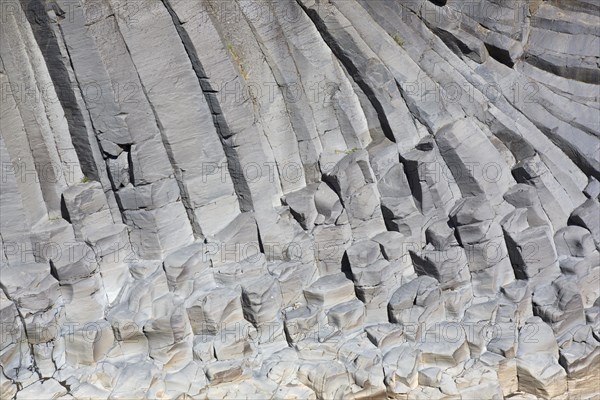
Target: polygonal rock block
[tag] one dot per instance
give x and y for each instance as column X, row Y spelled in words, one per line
column 347, row 316
column 89, row 343
column 440, row 235
column 302, row 205
column 362, row 254
column 541, row 375
column 400, row 365
column 75, row 262
column 385, row 335
column 574, row 241
column 587, row 216
column 422, row 291
column 580, row 352
column 392, row 244
column 151, row 196
column 327, row 203
column 261, row 300
column 293, row 278
column 186, row 265
column 301, row 323
column 375, row 274
column 532, row 254
column 106, row 239
column 224, row 371
column 221, row 306
column 330, row 290
column 559, row 304
column 230, row 274
column 450, row 267
column 82, row 200
column 444, row 344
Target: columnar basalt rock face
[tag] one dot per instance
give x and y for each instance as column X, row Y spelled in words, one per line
column 299, row 199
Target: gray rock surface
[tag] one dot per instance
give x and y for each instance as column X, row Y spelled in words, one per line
column 304, row 199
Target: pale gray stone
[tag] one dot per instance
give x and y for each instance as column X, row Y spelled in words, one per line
column 299, row 199
column 330, row 290
column 574, row 241
column 587, row 215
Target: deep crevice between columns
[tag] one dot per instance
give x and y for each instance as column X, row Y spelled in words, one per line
column 351, row 68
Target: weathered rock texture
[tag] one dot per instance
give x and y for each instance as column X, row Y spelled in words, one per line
column 299, row 199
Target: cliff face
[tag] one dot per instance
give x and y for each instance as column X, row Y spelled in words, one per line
column 299, row 198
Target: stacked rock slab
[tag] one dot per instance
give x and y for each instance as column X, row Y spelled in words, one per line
column 299, row 199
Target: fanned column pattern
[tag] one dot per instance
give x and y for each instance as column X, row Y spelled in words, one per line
column 303, row 199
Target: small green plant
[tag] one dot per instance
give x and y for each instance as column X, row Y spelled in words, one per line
column 237, row 60
column 85, row 179
column 398, row 39
column 349, row 151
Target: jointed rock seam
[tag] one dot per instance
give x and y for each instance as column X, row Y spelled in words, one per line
column 281, row 199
